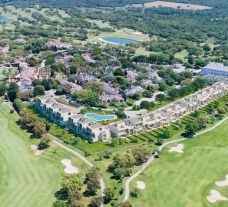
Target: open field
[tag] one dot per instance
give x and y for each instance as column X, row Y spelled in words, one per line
column 157, row 4
column 186, row 179
column 14, row 13
column 26, row 179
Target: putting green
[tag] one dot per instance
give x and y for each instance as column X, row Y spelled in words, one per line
column 177, row 180
column 27, row 180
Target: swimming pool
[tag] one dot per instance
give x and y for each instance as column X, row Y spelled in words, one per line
column 120, row 41
column 98, row 117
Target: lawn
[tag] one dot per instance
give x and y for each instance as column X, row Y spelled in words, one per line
column 178, row 180
column 25, row 179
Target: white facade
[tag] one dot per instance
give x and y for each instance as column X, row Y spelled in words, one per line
column 168, row 114
column 215, row 69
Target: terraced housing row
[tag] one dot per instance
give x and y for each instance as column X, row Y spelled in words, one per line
column 91, row 130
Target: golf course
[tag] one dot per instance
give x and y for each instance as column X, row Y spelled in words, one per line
column 187, row 178
column 26, row 179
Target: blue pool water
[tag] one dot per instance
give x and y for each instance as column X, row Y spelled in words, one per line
column 3, row 19
column 120, row 41
column 98, row 117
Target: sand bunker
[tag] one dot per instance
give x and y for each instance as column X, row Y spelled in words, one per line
column 36, row 150
column 69, row 168
column 222, row 183
column 179, row 148
column 141, row 185
column 216, row 196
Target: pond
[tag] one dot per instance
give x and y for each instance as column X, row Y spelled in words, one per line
column 119, row 41
column 3, row 19
column 98, row 117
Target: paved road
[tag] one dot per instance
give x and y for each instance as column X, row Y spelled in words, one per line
column 102, row 184
column 152, row 158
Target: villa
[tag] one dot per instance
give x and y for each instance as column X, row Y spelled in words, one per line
column 106, row 98
column 131, row 76
column 88, row 58
column 68, row 116
column 133, row 90
column 88, row 128
column 168, row 114
column 109, row 89
column 73, row 86
column 58, row 45
column 215, row 69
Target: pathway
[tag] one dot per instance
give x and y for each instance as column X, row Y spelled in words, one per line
column 152, row 158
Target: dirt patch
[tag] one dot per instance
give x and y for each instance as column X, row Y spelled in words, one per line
column 157, row 4
column 69, row 168
column 140, row 185
column 179, row 148
column 216, row 196
column 222, row 183
column 36, row 150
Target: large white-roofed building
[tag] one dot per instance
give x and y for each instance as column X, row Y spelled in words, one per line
column 215, row 69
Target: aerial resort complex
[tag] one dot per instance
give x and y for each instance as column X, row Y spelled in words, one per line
column 108, row 103
column 80, row 124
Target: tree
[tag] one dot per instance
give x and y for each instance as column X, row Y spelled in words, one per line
column 18, row 104
column 39, row 129
column 3, row 89
column 39, row 90
column 12, row 91
column 87, row 97
column 121, row 166
column 147, row 105
column 32, row 62
column 25, row 95
column 173, row 94
column 92, row 180
column 124, row 204
column 148, row 93
column 77, row 203
column 203, row 121
column 141, row 154
column 221, row 109
column 163, row 86
column 95, row 86
column 160, row 97
column 191, row 128
column 96, row 202
column 59, row 203
column 118, row 72
column 109, row 194
column 73, row 185
column 44, row 142
column 164, row 135
column 206, row 47
column 190, row 59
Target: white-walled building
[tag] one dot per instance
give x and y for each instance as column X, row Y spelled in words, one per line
column 215, row 69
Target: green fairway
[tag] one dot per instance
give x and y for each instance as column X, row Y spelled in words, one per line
column 185, row 180
column 25, row 179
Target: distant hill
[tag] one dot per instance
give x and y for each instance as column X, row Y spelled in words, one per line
column 109, row 3
column 75, row 3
